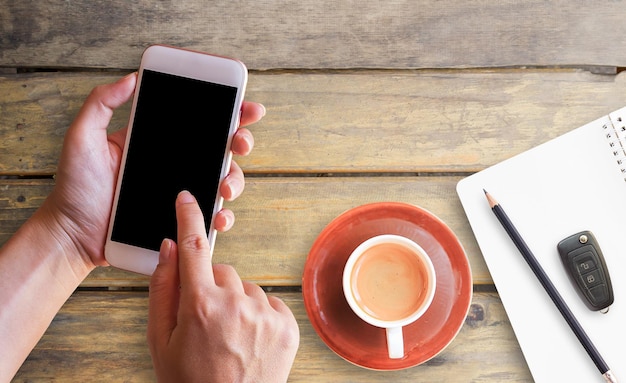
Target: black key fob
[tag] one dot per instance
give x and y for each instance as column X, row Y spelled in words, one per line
column 585, row 265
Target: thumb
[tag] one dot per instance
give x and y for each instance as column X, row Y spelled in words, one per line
column 103, row 99
column 164, row 296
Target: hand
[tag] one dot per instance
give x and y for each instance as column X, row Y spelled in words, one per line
column 77, row 211
column 205, row 324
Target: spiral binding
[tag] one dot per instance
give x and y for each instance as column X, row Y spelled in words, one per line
column 615, row 133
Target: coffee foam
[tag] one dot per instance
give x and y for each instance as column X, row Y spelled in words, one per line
column 389, row 282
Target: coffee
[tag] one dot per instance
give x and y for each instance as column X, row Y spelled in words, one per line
column 389, row 282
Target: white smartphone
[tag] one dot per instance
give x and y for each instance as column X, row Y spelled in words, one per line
column 185, row 111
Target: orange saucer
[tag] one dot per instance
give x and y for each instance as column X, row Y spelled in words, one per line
column 349, row 336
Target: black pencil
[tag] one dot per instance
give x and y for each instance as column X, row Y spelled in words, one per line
column 550, row 289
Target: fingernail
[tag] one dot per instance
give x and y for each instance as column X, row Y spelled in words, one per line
column 164, row 251
column 264, row 110
column 129, row 75
column 185, row 197
column 235, row 186
column 229, row 221
column 249, row 140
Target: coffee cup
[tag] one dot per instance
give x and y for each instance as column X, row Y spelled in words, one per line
column 389, row 282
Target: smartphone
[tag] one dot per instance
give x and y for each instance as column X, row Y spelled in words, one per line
column 185, row 110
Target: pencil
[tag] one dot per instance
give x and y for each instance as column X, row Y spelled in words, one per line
column 551, row 290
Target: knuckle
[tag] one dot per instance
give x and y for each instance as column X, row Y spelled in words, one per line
column 291, row 331
column 195, row 243
column 225, row 270
column 251, row 287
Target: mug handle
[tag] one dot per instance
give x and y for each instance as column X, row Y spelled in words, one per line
column 395, row 342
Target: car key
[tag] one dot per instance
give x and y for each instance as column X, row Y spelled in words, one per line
column 585, row 265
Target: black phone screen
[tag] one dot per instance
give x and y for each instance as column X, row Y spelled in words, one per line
column 178, row 141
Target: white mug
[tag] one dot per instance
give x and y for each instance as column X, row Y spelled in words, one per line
column 389, row 281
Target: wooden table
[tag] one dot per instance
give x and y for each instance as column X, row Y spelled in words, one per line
column 367, row 101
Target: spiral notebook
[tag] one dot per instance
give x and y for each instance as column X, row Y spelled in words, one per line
column 572, row 183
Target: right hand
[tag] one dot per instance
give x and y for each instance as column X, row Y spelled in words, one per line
column 205, row 324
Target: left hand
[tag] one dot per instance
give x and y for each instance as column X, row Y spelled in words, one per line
column 79, row 207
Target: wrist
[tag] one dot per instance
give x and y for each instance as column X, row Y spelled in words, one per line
column 40, row 267
column 53, row 231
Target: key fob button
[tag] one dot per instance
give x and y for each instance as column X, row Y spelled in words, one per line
column 592, row 279
column 599, row 293
column 585, row 263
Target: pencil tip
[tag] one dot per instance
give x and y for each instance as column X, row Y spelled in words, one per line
column 490, row 199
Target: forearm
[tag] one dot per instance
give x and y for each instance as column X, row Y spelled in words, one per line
column 39, row 270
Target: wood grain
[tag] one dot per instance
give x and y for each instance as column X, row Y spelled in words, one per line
column 278, row 219
column 422, row 121
column 366, row 101
column 321, row 34
column 100, row 336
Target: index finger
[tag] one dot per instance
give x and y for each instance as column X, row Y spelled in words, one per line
column 194, row 250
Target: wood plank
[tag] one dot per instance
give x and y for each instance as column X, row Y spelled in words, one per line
column 100, row 336
column 35, row 112
column 18, row 201
column 278, row 219
column 321, row 34
column 422, row 121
